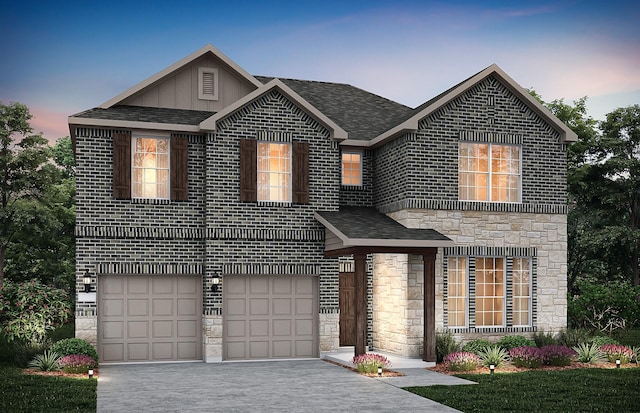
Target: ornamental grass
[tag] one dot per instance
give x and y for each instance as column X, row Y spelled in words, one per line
column 369, row 363
column 461, row 361
column 76, row 363
column 527, row 357
column 615, row 352
column 557, row 355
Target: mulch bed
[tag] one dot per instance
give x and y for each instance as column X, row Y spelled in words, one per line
column 510, row 368
column 60, row 373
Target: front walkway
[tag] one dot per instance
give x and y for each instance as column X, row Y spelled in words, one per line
column 270, row 386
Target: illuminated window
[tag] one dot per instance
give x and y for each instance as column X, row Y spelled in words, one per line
column 521, row 291
column 489, row 172
column 457, row 291
column 490, row 292
column 351, row 168
column 150, row 167
column 274, row 172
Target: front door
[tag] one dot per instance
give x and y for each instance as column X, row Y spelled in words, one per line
column 347, row 309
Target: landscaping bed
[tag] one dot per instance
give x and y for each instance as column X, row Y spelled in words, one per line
column 510, row 368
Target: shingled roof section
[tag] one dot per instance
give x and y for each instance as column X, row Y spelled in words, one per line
column 368, row 223
column 147, row 114
column 362, row 114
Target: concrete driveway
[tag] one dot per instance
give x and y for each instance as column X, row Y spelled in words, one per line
column 275, row 386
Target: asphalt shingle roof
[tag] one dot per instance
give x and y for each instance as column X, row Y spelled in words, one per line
column 369, row 223
column 147, row 114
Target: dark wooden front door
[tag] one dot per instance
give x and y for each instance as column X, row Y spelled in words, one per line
column 347, row 309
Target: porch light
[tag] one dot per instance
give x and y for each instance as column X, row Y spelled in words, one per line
column 617, row 363
column 215, row 283
column 492, row 368
column 90, row 373
column 379, row 370
column 86, row 280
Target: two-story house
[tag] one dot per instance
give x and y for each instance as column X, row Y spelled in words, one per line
column 226, row 216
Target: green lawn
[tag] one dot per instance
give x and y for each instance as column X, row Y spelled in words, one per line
column 580, row 390
column 31, row 393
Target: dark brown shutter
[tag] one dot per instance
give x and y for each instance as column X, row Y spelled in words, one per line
column 248, row 170
column 300, row 173
column 122, row 165
column 179, row 168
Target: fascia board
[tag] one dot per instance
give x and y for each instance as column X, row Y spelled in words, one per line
column 382, row 242
column 176, row 66
column 132, row 124
column 328, row 225
column 338, row 133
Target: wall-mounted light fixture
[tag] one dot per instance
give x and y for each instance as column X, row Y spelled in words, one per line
column 86, row 280
column 215, row 283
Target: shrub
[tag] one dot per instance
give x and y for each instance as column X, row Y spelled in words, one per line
column 30, row 309
column 509, row 342
column 615, row 352
column 526, row 356
column 47, row 361
column 589, row 353
column 70, row 346
column 25, row 352
column 602, row 340
column 544, row 339
column 495, row 355
column 461, row 361
column 476, row 346
column 636, row 354
column 573, row 337
column 445, row 344
column 557, row 355
column 76, row 363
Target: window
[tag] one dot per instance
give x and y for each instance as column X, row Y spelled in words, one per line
column 274, row 172
column 490, row 292
column 150, row 168
column 521, row 291
column 351, row 168
column 457, row 292
column 477, row 295
column 207, row 83
column 489, row 172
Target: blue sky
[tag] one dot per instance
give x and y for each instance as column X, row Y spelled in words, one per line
column 63, row 57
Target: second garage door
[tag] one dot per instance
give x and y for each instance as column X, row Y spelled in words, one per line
column 270, row 317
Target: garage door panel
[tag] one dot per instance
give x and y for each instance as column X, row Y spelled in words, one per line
column 149, row 318
column 281, row 317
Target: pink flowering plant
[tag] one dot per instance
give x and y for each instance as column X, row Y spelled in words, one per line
column 527, row 357
column 461, row 361
column 76, row 363
column 557, row 355
column 615, row 352
column 368, row 363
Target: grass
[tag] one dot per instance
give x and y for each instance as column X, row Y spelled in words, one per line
column 579, row 390
column 33, row 393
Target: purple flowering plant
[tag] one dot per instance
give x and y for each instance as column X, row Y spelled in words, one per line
column 526, row 356
column 369, row 362
column 461, row 361
column 76, row 363
column 615, row 352
column 557, row 355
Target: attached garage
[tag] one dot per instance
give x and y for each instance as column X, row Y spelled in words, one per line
column 144, row 318
column 270, row 317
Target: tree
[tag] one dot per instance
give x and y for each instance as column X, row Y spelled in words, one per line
column 24, row 172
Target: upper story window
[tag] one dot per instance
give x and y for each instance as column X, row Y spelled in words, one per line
column 150, row 167
column 274, row 172
column 489, row 172
column 351, row 168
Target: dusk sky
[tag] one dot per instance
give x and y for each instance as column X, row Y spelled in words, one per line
column 62, row 57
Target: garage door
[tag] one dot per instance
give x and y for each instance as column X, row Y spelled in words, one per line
column 149, row 318
column 270, row 317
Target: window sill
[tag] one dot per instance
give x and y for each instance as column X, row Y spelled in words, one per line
column 150, row 201
column 478, row 330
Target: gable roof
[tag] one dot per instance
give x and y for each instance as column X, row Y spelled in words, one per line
column 276, row 84
column 177, row 66
column 430, row 106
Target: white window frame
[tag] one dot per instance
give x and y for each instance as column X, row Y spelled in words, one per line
column 490, row 173
column 290, row 173
column 133, row 163
column 504, row 293
column 530, row 296
column 351, row 152
column 201, row 92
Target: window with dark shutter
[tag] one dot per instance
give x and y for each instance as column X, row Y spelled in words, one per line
column 300, row 166
column 122, row 165
column 179, row 168
column 248, row 170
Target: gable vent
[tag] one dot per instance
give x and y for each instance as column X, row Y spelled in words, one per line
column 207, row 83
